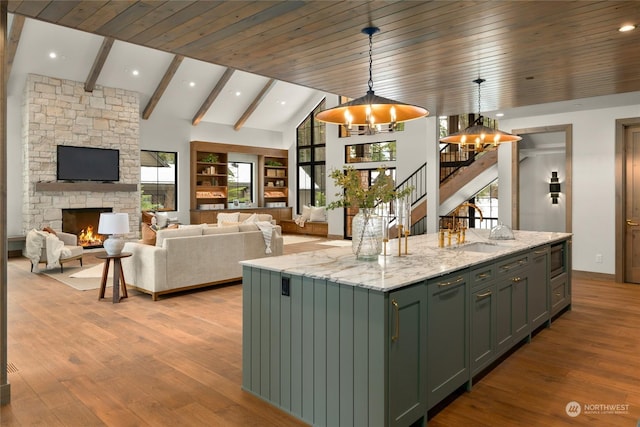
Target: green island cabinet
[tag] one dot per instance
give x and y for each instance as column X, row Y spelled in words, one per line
column 335, row 354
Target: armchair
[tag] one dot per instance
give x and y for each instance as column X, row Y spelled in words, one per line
column 52, row 249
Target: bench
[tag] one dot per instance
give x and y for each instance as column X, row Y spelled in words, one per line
column 310, row 228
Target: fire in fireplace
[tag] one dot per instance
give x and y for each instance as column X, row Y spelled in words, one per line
column 84, row 224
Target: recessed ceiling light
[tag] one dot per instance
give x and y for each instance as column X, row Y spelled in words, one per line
column 53, row 55
column 238, row 93
column 499, row 114
column 135, row 72
column 626, row 28
column 192, row 84
column 282, row 102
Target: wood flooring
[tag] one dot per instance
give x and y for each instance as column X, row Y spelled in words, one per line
column 77, row 361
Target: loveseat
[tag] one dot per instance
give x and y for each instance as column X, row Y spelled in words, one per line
column 195, row 256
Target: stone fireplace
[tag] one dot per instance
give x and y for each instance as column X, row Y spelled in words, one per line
column 83, row 223
column 60, row 112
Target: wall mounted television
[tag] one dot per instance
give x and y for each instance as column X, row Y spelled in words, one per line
column 88, row 164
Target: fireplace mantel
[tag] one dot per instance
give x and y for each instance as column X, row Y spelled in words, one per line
column 103, row 187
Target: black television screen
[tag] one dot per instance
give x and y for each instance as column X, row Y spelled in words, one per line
column 88, row 164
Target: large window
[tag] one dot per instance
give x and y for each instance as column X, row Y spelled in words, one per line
column 311, row 183
column 367, row 177
column 240, row 182
column 370, row 152
column 158, row 180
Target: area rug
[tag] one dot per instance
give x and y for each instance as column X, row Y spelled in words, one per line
column 293, row 239
column 84, row 278
column 336, row 243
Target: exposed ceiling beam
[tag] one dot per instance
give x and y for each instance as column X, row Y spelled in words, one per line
column 265, row 90
column 212, row 96
column 101, row 58
column 162, row 86
column 12, row 43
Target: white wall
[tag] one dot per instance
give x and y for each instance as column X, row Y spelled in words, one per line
column 593, row 181
column 536, row 212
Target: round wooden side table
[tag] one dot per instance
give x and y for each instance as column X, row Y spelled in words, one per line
column 118, row 275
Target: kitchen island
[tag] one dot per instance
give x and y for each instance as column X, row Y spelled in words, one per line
column 340, row 342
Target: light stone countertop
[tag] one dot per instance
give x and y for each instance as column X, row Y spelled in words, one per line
column 424, row 261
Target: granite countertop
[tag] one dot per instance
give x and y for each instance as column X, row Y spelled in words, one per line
column 424, row 261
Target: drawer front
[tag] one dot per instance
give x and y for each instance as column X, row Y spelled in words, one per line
column 513, row 263
column 559, row 291
column 482, row 275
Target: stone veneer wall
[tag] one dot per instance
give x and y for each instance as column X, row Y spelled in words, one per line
column 57, row 111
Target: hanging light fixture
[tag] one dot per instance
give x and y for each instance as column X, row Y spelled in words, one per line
column 477, row 134
column 375, row 112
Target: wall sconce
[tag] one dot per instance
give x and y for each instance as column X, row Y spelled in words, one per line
column 554, row 188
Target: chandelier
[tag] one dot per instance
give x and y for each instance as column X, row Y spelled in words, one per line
column 376, row 113
column 477, row 135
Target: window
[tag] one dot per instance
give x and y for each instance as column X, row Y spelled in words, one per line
column 311, row 182
column 370, row 152
column 158, row 180
column 240, row 182
column 367, row 176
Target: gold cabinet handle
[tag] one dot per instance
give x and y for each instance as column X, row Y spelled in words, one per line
column 544, row 251
column 632, row 224
column 483, row 275
column 445, row 284
column 480, row 297
column 516, row 279
column 396, row 311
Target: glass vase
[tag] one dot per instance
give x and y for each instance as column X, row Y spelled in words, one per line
column 366, row 236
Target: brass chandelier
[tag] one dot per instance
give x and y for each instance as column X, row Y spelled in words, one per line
column 477, row 135
column 372, row 111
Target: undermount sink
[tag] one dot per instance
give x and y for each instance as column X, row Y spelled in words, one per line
column 479, row 247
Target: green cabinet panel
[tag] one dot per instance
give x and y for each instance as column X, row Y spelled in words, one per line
column 511, row 311
column 447, row 335
column 560, row 296
column 538, row 281
column 407, row 355
column 483, row 327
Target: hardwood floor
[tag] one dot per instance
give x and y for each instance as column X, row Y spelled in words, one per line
column 75, row 361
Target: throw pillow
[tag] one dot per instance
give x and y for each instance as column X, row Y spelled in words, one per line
column 148, row 235
column 252, row 218
column 318, row 214
column 228, row 217
column 306, row 212
column 162, row 219
column 248, row 227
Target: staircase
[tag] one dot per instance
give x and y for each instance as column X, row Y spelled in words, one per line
column 460, row 179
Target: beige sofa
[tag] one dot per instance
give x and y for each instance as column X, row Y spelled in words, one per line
column 195, row 256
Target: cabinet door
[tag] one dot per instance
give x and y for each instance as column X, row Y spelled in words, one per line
column 538, row 281
column 511, row 311
column 483, row 333
column 407, row 355
column 447, row 335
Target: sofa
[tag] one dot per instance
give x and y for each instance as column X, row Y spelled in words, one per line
column 196, row 256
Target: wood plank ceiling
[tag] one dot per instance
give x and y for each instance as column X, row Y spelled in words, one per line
column 427, row 53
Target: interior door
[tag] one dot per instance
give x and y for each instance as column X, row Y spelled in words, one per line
column 632, row 203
